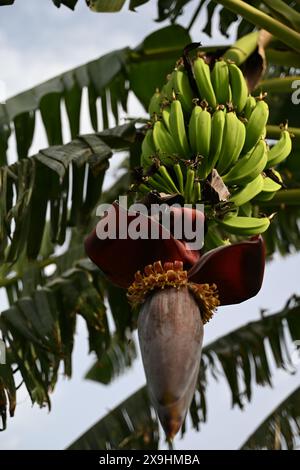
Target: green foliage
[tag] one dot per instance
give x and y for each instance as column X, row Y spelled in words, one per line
column 105, row 5
column 46, row 180
column 119, row 356
column 68, row 3
column 128, row 426
column 280, row 430
column 108, row 80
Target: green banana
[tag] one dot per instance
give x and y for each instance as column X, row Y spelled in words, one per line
column 167, row 91
column 164, row 185
column 165, row 113
column 269, row 189
column 245, row 194
column 220, row 81
column 143, row 189
column 203, row 80
column 248, row 167
column 158, row 184
column 281, row 150
column 270, row 186
column 177, row 129
column 179, row 176
column 163, row 143
column 213, row 238
column 197, row 192
column 256, row 125
column 167, row 178
column 228, row 149
column 183, row 90
column 239, row 87
column 240, row 141
column 250, row 105
column 148, row 150
column 216, row 141
column 203, row 139
column 193, row 128
column 244, row 226
column 189, row 186
column 155, row 103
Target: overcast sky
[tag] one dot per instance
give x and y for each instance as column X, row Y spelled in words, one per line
column 38, row 41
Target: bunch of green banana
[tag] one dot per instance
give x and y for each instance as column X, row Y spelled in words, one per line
column 224, row 128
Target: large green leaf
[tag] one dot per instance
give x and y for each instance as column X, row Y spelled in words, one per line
column 115, row 360
column 39, row 329
column 68, row 3
column 43, row 180
column 281, row 429
column 147, row 75
column 105, row 5
column 98, row 75
column 107, row 81
column 128, row 426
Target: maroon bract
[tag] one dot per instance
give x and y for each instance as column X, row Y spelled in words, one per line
column 236, row 269
column 120, row 259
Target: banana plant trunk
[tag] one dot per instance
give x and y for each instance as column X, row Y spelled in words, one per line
column 170, row 332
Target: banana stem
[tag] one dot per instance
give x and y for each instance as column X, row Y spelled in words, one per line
column 289, row 197
column 168, row 52
column 261, row 19
column 6, row 282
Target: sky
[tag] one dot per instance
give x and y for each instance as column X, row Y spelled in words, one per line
column 38, row 41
